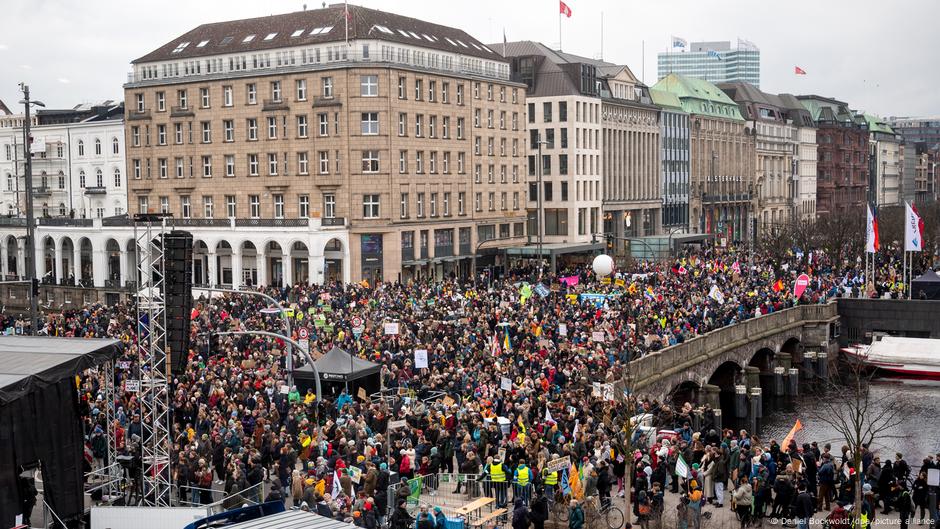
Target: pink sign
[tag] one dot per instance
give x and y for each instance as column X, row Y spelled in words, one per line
column 570, row 280
column 801, row 283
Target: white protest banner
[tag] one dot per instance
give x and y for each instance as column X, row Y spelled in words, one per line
column 597, row 336
column 562, row 329
column 421, row 358
column 132, row 386
column 933, row 477
column 394, row 425
column 284, row 389
column 608, row 391
column 505, row 384
column 559, row 464
column 595, row 389
column 391, row 327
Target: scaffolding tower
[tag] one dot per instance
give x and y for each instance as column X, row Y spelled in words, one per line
column 149, row 230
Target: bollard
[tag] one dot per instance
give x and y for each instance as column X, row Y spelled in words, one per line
column 822, row 365
column 780, row 374
column 752, row 376
column 784, row 360
column 809, row 358
column 740, row 401
column 717, row 418
column 757, row 405
column 794, row 382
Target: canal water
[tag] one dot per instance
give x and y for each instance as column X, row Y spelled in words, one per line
column 917, row 436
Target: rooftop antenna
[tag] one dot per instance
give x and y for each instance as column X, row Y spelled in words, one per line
column 602, row 35
column 305, row 7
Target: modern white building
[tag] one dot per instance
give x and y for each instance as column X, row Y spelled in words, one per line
column 885, row 146
column 78, row 163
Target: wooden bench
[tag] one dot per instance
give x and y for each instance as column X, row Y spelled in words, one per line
column 482, row 521
column 475, row 505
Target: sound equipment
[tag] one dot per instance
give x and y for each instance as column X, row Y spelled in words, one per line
column 178, row 296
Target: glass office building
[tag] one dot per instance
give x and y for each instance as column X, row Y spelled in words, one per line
column 715, row 62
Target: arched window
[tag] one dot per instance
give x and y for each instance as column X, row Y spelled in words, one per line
column 45, row 209
column 44, row 180
column 117, row 177
column 97, row 147
column 61, row 209
column 10, row 182
column 99, row 177
column 115, row 146
column 81, row 179
column 61, row 180
column 81, row 148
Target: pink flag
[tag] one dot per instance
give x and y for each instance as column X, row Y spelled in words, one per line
column 800, row 286
column 570, row 280
column 736, row 267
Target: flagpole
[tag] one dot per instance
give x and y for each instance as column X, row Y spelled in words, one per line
column 559, row 30
column 346, row 19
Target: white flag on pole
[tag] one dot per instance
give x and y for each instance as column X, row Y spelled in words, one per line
column 871, row 233
column 682, row 468
column 548, row 415
column 913, row 230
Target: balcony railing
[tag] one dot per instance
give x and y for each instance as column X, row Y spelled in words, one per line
column 180, row 112
column 119, row 220
column 66, row 221
column 96, row 190
column 274, row 104
column 210, row 223
column 139, row 114
column 320, row 101
column 42, row 191
column 13, row 221
column 271, row 223
column 333, row 221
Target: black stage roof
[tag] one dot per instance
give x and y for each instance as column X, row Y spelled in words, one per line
column 29, row 363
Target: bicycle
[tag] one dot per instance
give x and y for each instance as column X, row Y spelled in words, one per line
column 594, row 510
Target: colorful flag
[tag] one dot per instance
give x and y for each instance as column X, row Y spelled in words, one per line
column 682, row 468
column 682, row 271
column 799, row 71
column 872, row 244
column 679, row 43
column 494, row 345
column 913, row 230
column 564, row 9
column 649, row 293
column 507, row 344
column 574, row 483
column 736, row 267
column 778, row 285
column 797, row 426
column 715, row 294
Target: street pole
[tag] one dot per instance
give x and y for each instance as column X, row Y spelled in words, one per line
column 287, row 339
column 30, row 230
column 541, row 213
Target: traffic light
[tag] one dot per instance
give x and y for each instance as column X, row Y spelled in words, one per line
column 35, row 286
column 610, row 242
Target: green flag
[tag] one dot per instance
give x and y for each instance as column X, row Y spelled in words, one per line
column 682, row 468
column 414, row 486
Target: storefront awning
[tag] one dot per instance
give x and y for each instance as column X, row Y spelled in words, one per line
column 555, row 249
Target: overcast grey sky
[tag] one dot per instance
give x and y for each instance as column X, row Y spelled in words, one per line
column 880, row 56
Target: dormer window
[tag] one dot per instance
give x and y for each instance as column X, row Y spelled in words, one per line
column 248, row 39
column 181, row 46
column 270, row 36
column 202, row 44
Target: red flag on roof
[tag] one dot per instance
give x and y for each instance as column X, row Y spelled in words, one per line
column 564, row 9
column 799, row 71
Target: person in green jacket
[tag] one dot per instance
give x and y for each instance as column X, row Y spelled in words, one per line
column 575, row 515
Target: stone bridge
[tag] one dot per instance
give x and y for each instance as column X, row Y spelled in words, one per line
column 768, row 356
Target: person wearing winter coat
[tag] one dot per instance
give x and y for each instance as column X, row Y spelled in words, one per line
column 520, row 515
column 539, row 510
column 743, row 500
column 575, row 516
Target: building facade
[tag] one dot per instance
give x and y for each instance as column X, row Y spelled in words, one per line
column 917, row 129
column 842, row 182
column 722, row 159
column 78, row 163
column 777, row 151
column 804, row 200
column 674, row 159
column 390, row 157
column 715, row 62
column 606, row 181
column 885, row 153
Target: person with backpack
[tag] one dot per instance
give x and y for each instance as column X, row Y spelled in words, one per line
column 904, row 504
column 520, row 515
column 803, row 507
column 425, row 520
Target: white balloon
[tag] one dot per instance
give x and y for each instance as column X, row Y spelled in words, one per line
column 603, row 265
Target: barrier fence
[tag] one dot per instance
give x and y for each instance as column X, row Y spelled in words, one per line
column 451, row 492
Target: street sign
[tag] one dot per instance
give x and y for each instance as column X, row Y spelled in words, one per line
column 357, row 331
column 303, row 333
column 305, row 344
column 356, row 321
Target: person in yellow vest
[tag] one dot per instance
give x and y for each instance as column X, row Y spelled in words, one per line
column 498, row 476
column 550, row 481
column 522, row 477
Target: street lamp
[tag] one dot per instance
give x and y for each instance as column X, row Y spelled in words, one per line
column 30, row 228
column 541, row 212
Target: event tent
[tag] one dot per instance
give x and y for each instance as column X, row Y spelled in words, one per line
column 339, row 369
column 928, row 283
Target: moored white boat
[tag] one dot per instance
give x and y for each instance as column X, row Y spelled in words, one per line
column 918, row 357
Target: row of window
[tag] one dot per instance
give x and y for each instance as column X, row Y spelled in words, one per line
column 547, row 111
column 368, row 87
column 60, row 179
column 230, row 203
column 80, row 146
column 586, row 190
column 432, row 203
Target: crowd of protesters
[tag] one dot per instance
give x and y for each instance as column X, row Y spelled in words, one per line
column 236, row 424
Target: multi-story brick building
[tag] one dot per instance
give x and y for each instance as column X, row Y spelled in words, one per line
column 722, row 155
column 842, row 151
column 385, row 156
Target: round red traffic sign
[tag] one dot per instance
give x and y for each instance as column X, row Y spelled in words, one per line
column 356, row 321
column 303, row 333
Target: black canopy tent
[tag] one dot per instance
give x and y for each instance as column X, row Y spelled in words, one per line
column 339, row 370
column 39, row 418
column 928, row 283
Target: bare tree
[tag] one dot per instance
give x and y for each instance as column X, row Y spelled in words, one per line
column 845, row 403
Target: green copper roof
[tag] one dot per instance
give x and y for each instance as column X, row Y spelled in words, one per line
column 813, row 107
column 699, row 97
column 877, row 125
column 665, row 99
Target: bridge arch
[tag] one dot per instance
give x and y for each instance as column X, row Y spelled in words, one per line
column 726, row 376
column 686, row 391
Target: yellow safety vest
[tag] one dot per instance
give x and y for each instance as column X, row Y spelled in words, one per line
column 523, row 478
column 551, row 478
column 496, row 472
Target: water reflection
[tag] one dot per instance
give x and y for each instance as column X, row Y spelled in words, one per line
column 917, row 436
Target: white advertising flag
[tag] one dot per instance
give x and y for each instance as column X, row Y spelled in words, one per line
column 913, row 230
column 871, row 233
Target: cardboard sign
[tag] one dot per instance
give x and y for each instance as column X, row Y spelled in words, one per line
column 505, row 384
column 595, row 389
column 933, row 477
column 391, row 327
column 449, row 401
column 541, row 290
column 304, row 344
column 132, row 386
column 562, row 329
column 303, row 333
column 597, row 336
column 559, row 464
column 605, row 280
column 607, row 390
column 284, row 389
column 421, row 358
column 394, row 425
column 355, row 474
column 362, row 394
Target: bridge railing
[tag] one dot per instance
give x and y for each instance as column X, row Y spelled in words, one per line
column 654, row 366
